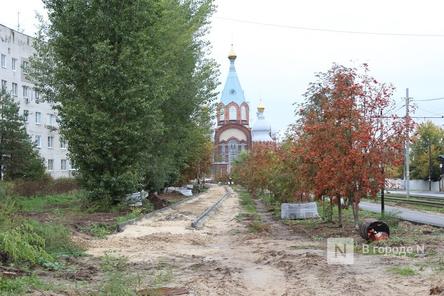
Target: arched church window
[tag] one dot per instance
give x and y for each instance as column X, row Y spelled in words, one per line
column 222, row 114
column 233, row 113
column 233, row 150
column 244, row 113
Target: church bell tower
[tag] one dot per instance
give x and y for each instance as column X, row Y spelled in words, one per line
column 233, row 133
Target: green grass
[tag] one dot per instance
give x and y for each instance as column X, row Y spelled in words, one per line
column 272, row 205
column 117, row 280
column 404, row 271
column 20, row 285
column 255, row 224
column 134, row 214
column 428, row 208
column 247, row 202
column 64, row 202
column 99, row 230
column 57, row 239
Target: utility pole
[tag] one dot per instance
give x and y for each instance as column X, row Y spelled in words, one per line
column 407, row 144
column 430, row 165
column 382, row 169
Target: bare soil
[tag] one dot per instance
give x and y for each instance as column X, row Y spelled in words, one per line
column 225, row 258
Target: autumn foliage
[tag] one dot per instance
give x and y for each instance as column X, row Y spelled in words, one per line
column 339, row 146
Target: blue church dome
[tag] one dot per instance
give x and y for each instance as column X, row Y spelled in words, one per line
column 232, row 91
column 261, row 130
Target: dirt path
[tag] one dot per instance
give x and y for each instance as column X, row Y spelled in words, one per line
column 223, row 258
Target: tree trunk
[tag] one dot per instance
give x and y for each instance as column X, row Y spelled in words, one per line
column 323, row 207
column 356, row 214
column 330, row 215
column 355, row 208
column 338, row 197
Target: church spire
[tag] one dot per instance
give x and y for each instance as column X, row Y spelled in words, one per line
column 232, row 91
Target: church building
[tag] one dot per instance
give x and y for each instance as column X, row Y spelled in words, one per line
column 233, row 133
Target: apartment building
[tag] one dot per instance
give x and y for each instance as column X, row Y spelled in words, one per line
column 41, row 118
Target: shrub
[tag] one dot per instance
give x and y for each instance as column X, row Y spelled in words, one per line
column 30, row 241
column 100, row 230
column 22, row 244
column 5, row 188
column 57, row 238
column 62, row 185
column 7, row 210
column 44, row 186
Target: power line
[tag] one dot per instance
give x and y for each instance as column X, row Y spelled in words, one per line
column 427, row 100
column 396, row 109
column 302, row 28
column 427, row 111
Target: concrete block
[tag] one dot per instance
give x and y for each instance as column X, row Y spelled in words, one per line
column 299, row 210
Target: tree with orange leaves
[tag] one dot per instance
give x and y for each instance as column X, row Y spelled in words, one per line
column 271, row 168
column 346, row 137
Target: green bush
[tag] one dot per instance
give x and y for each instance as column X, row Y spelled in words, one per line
column 100, row 230
column 23, row 244
column 7, row 209
column 57, row 238
column 30, row 241
column 5, row 189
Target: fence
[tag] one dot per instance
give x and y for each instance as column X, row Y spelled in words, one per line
column 415, row 185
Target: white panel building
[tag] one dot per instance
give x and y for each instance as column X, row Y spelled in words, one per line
column 41, row 119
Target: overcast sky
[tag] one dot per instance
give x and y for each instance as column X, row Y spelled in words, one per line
column 276, row 63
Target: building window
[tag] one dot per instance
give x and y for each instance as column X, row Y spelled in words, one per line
column 38, row 118
column 51, row 120
column 3, row 60
column 233, row 150
column 233, row 113
column 25, row 65
column 244, row 113
column 14, row 64
column 62, row 143
column 14, row 91
column 4, row 85
column 50, row 141
column 222, row 114
column 25, row 91
column 63, row 164
column 25, row 115
column 50, row 164
column 38, row 141
column 37, row 96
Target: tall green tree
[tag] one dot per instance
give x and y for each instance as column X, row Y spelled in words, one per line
column 129, row 79
column 18, row 158
column 428, row 138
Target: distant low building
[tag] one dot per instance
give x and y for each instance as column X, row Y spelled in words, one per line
column 41, row 119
